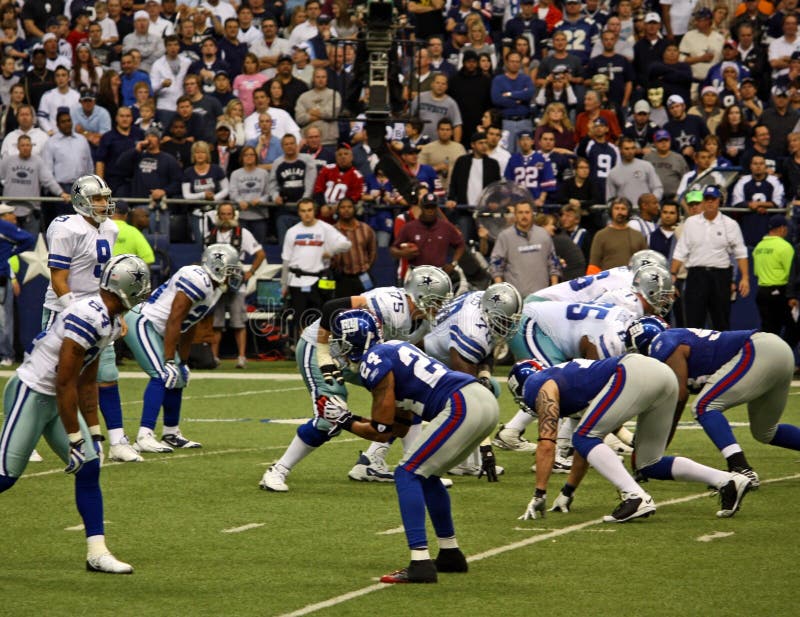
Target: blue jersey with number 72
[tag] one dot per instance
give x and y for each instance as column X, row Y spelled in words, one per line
column 422, row 385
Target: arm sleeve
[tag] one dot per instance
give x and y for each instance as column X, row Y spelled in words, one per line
column 224, row 189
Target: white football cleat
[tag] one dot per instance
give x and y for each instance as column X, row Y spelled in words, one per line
column 35, row 457
column 466, row 469
column 149, row 443
column 633, row 505
column 372, row 469
column 124, row 452
column 512, row 439
column 617, row 445
column 177, row 441
column 731, row 495
column 109, row 564
column 446, row 482
column 274, row 479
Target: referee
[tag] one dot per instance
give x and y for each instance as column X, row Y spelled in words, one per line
column 710, row 240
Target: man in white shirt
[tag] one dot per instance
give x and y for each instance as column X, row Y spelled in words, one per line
column 52, row 100
column 166, row 77
column 496, row 150
column 781, row 49
column 270, row 47
column 159, row 26
column 701, row 47
column 708, row 243
column 25, row 121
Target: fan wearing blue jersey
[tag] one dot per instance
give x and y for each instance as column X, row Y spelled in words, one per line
column 606, row 393
column 581, row 33
column 54, row 395
column 404, row 383
column 530, row 170
column 731, row 368
column 79, row 245
column 404, row 314
column 160, row 334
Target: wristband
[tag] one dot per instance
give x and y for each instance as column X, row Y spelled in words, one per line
column 380, row 427
column 540, row 492
column 567, row 490
column 74, row 438
column 546, row 439
column 348, row 424
column 65, row 300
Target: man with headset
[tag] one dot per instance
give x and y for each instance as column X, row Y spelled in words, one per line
column 615, row 245
column 226, row 230
column 709, row 242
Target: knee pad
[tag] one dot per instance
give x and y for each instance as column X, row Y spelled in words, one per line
column 311, row 436
column 6, row 482
column 585, row 444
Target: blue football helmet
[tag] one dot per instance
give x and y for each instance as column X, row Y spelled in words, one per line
column 641, row 333
column 354, row 332
column 516, row 381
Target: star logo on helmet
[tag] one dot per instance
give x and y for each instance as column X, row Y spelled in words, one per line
column 138, row 275
column 427, row 280
column 496, row 299
column 219, row 256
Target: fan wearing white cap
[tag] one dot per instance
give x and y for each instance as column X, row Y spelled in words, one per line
column 687, row 132
column 649, row 49
column 641, row 128
column 151, row 46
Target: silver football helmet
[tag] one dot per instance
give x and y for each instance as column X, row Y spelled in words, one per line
column 128, row 278
column 429, row 287
column 501, row 305
column 82, row 195
column 647, row 257
column 221, row 262
column 654, row 284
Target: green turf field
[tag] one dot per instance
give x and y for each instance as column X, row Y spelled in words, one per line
column 205, row 540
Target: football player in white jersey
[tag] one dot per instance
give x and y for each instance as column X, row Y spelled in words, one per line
column 79, row 244
column 463, row 339
column 403, row 313
column 59, row 375
column 160, row 334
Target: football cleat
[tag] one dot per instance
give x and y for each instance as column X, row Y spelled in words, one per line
column 178, row 441
column 446, row 482
column 751, row 475
column 149, row 443
column 512, row 439
column 35, row 457
column 370, row 470
column 633, row 506
column 731, row 495
column 109, row 564
column 467, row 469
column 451, row 560
column 422, row 571
column 274, row 479
column 617, row 445
column 562, row 464
column 124, row 452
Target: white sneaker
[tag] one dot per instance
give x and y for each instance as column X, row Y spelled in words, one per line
column 465, row 469
column 124, row 452
column 562, row 464
column 274, row 479
column 109, row 564
column 369, row 469
column 6, row 362
column 617, row 445
column 241, row 362
column 634, row 505
column 177, row 441
column 35, row 457
column 149, row 443
column 512, row 439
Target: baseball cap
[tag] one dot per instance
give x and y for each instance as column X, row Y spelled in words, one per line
column 6, row 209
column 778, row 220
column 87, row 95
column 702, row 13
column 225, row 125
column 429, row 200
column 470, row 54
column 477, row 136
column 652, row 18
column 748, row 80
column 675, row 99
column 712, row 192
column 661, row 134
column 153, row 130
column 573, row 2
column 284, row 58
column 409, row 148
column 324, row 19
column 694, row 197
column 50, row 37
column 779, row 91
column 526, row 133
column 221, row 72
column 730, row 43
column 600, row 121
column 641, row 107
column 559, row 69
column 460, row 29
column 140, row 15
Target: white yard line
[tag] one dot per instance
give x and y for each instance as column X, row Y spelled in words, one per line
column 243, row 528
column 390, row 532
column 499, row 550
column 713, row 536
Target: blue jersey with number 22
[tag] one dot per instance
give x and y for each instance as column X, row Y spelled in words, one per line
column 422, row 385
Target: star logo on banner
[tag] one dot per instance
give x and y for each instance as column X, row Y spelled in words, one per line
column 36, row 260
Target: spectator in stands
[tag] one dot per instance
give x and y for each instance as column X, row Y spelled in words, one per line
column 571, row 261
column 442, row 154
column 632, row 177
column 147, row 171
column 13, row 241
column 434, row 105
column 757, row 191
column 231, row 50
column 701, row 46
column 320, row 107
column 754, row 57
column 282, row 122
column 177, row 143
column 250, row 79
column 602, row 156
column 782, row 48
column 267, row 145
column 670, row 166
column 439, row 63
column 341, row 179
column 591, row 112
column 322, row 155
column 556, row 120
column 581, row 33
column 102, row 52
column 471, row 90
column 226, row 230
column 167, row 76
column 528, row 24
column 708, row 108
column 35, row 16
column 685, row 131
column 68, row 155
column 122, row 138
column 579, row 190
column 671, row 74
column 649, row 49
column 292, row 178
column 351, row 269
column 151, row 46
column 292, row 86
column 556, row 90
column 271, row 47
column 734, row 134
column 25, row 116
column 203, row 181
column 616, row 67
column 531, row 170
column 25, row 174
column 158, row 25
column 52, row 51
column 780, row 118
column 663, row 238
column 90, row 121
column 773, row 259
column 512, row 92
column 495, row 149
column 645, row 220
column 570, row 225
column 52, row 100
column 130, row 240
column 226, row 152
column 614, row 245
column 564, row 61
column 761, row 143
column 109, row 95
column 129, row 77
column 641, row 128
column 249, row 190
column 209, row 64
column 206, row 109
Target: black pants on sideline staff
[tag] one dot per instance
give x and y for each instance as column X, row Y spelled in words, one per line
column 708, row 293
column 306, row 307
column 348, row 285
column 773, row 308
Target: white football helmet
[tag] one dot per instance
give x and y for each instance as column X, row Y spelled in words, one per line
column 84, row 189
column 647, row 257
column 128, row 278
column 501, row 305
column 429, row 287
column 221, row 262
column 654, row 284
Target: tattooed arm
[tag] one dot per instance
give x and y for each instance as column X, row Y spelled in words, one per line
column 548, row 411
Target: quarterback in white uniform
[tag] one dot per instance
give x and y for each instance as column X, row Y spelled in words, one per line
column 79, row 244
column 58, row 375
column 160, row 336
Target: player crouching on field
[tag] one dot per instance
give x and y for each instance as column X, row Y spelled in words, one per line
column 58, row 377
column 607, row 393
column 404, row 382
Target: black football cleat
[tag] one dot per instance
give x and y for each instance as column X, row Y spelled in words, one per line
column 422, row 571
column 451, row 560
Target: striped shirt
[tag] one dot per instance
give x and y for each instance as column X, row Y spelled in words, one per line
column 362, row 253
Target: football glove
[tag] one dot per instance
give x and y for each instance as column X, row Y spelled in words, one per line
column 97, row 442
column 562, row 503
column 536, row 508
column 76, row 457
column 172, row 375
column 331, row 413
column 331, row 374
column 185, row 374
column 488, row 466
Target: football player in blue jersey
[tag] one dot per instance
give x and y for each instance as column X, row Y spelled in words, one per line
column 731, row 368
column 606, row 393
column 405, row 382
column 531, row 170
column 54, row 395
